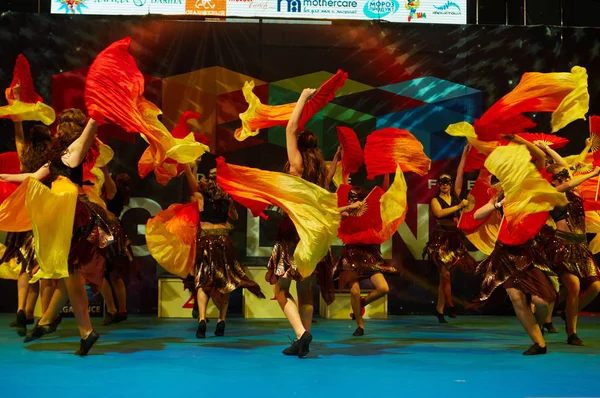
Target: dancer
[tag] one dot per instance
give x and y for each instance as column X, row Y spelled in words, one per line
column 515, row 264
column 446, row 247
column 86, row 262
column 217, row 271
column 360, row 261
column 567, row 249
column 305, row 160
column 119, row 256
column 32, row 152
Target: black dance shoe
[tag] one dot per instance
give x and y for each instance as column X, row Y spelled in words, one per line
column 440, row 317
column 87, row 344
column 359, row 332
column 108, row 319
column 220, row 330
column 574, row 340
column 304, row 344
column 452, row 312
column 119, row 317
column 13, row 324
column 536, row 350
column 201, row 331
column 292, row 349
column 21, row 323
column 549, row 327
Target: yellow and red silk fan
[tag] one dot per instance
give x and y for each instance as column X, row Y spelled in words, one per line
column 363, row 225
column 353, row 156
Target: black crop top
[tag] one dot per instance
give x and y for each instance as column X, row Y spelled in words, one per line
column 453, row 202
column 215, row 210
column 58, row 168
column 573, row 212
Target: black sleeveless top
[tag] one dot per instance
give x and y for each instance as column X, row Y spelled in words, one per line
column 58, row 168
column 453, row 202
column 215, row 210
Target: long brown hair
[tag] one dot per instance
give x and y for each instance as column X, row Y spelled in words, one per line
column 313, row 164
column 36, row 149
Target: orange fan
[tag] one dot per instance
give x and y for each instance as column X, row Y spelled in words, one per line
column 549, row 139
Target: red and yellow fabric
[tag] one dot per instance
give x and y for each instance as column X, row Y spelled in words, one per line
column 389, row 147
column 114, row 92
column 564, row 94
column 33, row 206
column 480, row 194
column 353, row 156
column 9, row 164
column 171, row 238
column 259, row 116
column 525, row 190
column 11, row 269
column 30, row 105
column 338, row 176
column 182, row 130
column 312, row 209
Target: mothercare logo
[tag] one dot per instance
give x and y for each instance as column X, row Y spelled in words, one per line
column 206, row 7
column 450, row 8
column 320, row 7
column 380, row 8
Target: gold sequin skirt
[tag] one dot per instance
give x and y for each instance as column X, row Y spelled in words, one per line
column 359, row 262
column 20, row 245
column 569, row 252
column 217, row 270
column 522, row 267
column 447, row 249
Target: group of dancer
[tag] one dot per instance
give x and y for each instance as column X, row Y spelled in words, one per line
column 528, row 256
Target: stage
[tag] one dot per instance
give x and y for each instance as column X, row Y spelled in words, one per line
column 407, row 356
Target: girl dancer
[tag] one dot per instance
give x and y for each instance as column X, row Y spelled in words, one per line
column 305, row 160
column 86, row 261
column 119, row 256
column 446, row 247
column 567, row 248
column 32, row 153
column 217, row 271
column 361, row 261
column 516, row 264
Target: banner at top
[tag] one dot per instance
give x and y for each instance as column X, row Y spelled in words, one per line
column 409, row 11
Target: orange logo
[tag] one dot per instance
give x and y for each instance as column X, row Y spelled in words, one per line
column 206, row 7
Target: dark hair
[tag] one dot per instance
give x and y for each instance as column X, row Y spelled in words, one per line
column 313, row 164
column 361, row 192
column 67, row 132
column 123, row 181
column 72, row 115
column 35, row 151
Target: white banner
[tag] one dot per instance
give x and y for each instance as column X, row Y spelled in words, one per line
column 408, row 11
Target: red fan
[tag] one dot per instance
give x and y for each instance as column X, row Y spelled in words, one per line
column 551, row 140
column 480, row 194
column 353, row 155
column 365, row 222
column 526, row 230
column 325, row 94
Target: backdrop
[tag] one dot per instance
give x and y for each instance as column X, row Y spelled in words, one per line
column 416, row 77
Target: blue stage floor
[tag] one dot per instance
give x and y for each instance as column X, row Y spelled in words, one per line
column 409, row 356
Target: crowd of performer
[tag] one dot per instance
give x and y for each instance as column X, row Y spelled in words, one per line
column 530, row 219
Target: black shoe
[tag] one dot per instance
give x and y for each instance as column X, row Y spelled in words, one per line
column 359, row 332
column 536, row 350
column 119, row 317
column 86, row 345
column 21, row 323
column 292, row 349
column 108, row 319
column 201, row 331
column 452, row 312
column 549, row 327
column 574, row 340
column 55, row 323
column 13, row 324
column 303, row 348
column 440, row 317
column 220, row 330
column 38, row 331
